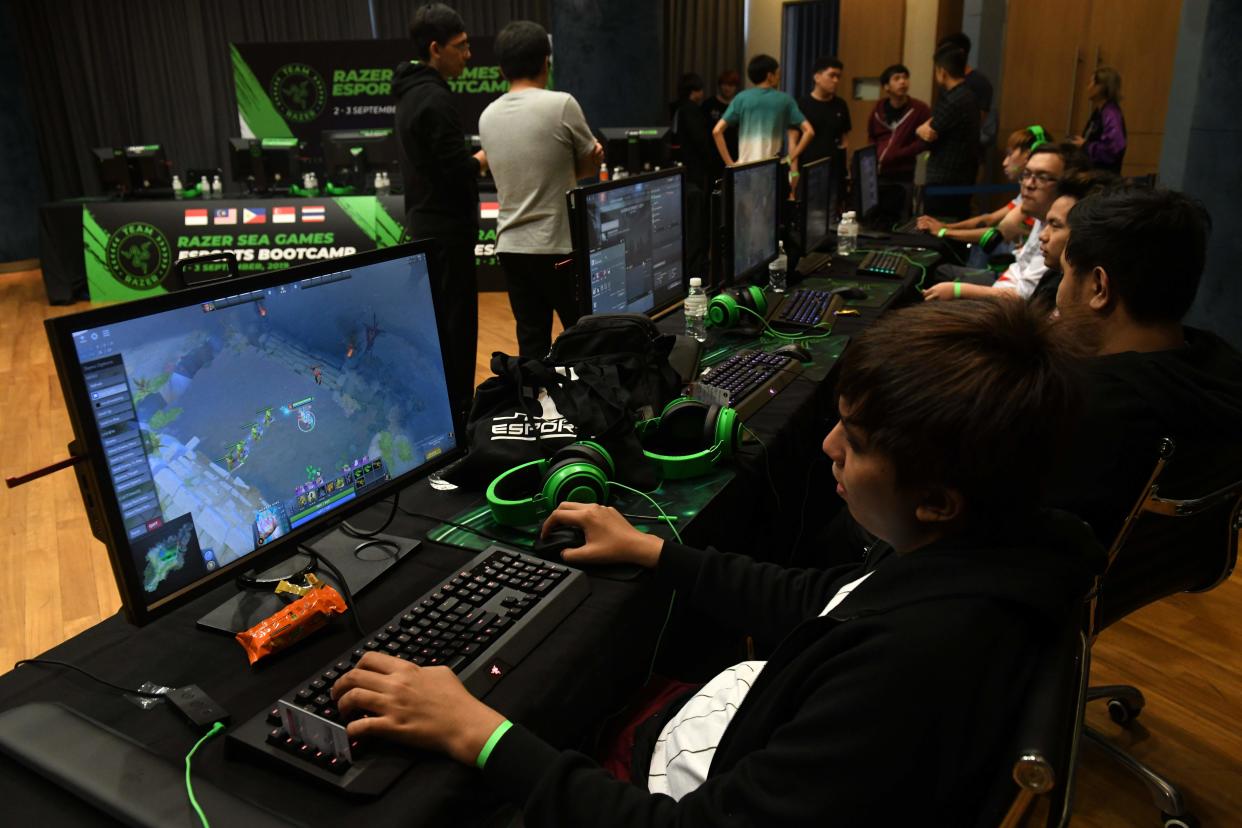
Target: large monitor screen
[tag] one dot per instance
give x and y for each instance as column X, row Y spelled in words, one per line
column 868, row 183
column 634, row 244
column 754, row 197
column 225, row 425
column 817, row 193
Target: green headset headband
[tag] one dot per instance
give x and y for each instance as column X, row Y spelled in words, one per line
column 1041, row 137
column 725, row 308
column 579, row 472
column 689, row 437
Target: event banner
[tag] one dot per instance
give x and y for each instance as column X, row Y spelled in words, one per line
column 298, row 90
column 130, row 246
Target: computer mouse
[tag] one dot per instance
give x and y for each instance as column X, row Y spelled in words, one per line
column 558, row 538
column 851, row 293
column 793, row 349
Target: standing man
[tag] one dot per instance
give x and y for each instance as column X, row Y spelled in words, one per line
column 828, row 115
column 698, row 154
column 980, row 86
column 727, row 85
column 538, row 145
column 763, row 115
column 892, row 126
column 953, row 132
column 441, row 187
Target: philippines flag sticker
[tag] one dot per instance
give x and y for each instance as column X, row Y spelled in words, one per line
column 284, row 215
column 313, row 213
column 195, row 217
column 224, row 215
column 489, row 209
column 256, row 215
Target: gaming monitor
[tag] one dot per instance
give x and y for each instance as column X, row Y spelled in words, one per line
column 140, row 169
column 266, row 164
column 226, row 424
column 752, row 201
column 353, row 157
column 113, row 170
column 629, row 246
column 638, row 149
column 866, row 182
column 816, row 181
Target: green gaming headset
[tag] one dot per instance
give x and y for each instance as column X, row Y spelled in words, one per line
column 725, row 308
column 528, row 493
column 690, row 437
column 1041, row 137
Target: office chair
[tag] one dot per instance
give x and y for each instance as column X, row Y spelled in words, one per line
column 1145, row 567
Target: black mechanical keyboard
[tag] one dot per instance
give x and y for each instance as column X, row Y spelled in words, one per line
column 751, row 378
column 884, row 263
column 481, row 621
column 806, row 308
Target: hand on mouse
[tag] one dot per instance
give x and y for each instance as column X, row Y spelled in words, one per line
column 609, row 537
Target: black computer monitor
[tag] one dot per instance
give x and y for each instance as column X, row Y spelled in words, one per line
column 866, row 182
column 629, row 243
column 139, row 170
column 638, row 149
column 266, row 165
column 816, row 203
column 353, row 157
column 113, row 170
column 752, row 202
column 225, row 425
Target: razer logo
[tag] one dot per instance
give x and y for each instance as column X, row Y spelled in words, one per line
column 298, row 92
column 139, row 256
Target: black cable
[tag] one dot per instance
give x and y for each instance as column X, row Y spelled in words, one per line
column 146, row 694
column 806, row 496
column 465, row 528
column 362, row 534
column 344, row 585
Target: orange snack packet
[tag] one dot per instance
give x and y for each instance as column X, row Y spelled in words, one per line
column 292, row 623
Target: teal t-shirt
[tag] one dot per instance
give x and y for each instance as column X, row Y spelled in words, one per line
column 761, row 116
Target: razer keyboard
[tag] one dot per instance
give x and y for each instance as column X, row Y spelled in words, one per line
column 806, row 308
column 751, row 378
column 884, row 263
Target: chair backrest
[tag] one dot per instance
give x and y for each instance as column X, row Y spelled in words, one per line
column 1169, row 545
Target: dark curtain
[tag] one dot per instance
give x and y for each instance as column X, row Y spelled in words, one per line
column 808, row 31
column 703, row 36
column 158, row 71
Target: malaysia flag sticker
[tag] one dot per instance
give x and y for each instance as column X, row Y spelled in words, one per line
column 313, row 213
column 489, row 209
column 255, row 215
column 195, row 217
column 224, row 215
column 284, row 215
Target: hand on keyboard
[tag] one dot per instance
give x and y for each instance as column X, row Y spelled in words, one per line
column 610, row 538
column 423, row 707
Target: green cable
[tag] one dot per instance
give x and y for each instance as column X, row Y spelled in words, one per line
column 770, row 331
column 663, row 514
column 189, row 786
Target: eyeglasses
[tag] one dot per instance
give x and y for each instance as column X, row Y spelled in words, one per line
column 1040, row 178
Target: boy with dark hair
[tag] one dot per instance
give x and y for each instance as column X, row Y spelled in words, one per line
column 538, row 145
column 1131, row 271
column 1073, row 187
column 892, row 126
column 727, row 85
column 697, row 153
column 828, row 115
column 953, row 132
column 441, row 186
column 967, row 578
column 763, row 116
column 980, row 87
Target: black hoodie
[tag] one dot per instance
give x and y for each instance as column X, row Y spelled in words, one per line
column 441, row 174
column 1192, row 394
column 894, row 709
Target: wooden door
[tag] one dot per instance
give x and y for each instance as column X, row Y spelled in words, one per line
column 872, row 38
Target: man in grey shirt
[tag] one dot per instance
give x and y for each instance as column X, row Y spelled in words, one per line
column 538, row 145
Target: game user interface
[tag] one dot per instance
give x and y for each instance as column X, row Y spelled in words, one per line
column 754, row 217
column 818, row 185
column 634, row 246
column 868, row 182
column 226, row 425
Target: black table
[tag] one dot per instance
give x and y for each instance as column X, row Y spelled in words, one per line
column 563, row 690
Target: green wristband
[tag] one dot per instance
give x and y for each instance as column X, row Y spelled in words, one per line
column 957, row 294
column 940, row 234
column 492, row 741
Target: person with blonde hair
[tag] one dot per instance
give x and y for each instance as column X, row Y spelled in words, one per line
column 1104, row 139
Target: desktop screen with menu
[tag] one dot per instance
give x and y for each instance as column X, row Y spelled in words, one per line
column 867, row 182
column 632, row 241
column 752, row 191
column 220, row 427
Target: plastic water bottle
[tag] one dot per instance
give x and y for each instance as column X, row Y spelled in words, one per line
column 204, row 189
column 776, row 270
column 847, row 234
column 387, row 182
column 379, row 184
column 696, row 310
column 217, row 188
column 178, row 190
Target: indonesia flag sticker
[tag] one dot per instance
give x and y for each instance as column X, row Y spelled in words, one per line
column 489, row 209
column 195, row 217
column 284, row 215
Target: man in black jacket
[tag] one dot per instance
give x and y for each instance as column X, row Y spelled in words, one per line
column 703, row 165
column 894, row 684
column 441, row 186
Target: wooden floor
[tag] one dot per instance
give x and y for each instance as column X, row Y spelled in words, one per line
column 1186, row 653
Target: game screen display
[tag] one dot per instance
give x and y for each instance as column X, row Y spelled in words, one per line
column 634, row 241
column 816, row 194
column 754, row 217
column 228, row 424
column 869, row 183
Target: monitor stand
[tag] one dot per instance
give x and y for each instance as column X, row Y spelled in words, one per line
column 360, row 561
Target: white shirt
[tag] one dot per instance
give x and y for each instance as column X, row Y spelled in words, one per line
column 684, row 751
column 1027, row 269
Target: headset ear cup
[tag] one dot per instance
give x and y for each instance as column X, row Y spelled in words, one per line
column 707, row 434
column 681, row 425
column 722, row 310
column 758, row 300
column 728, row 431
